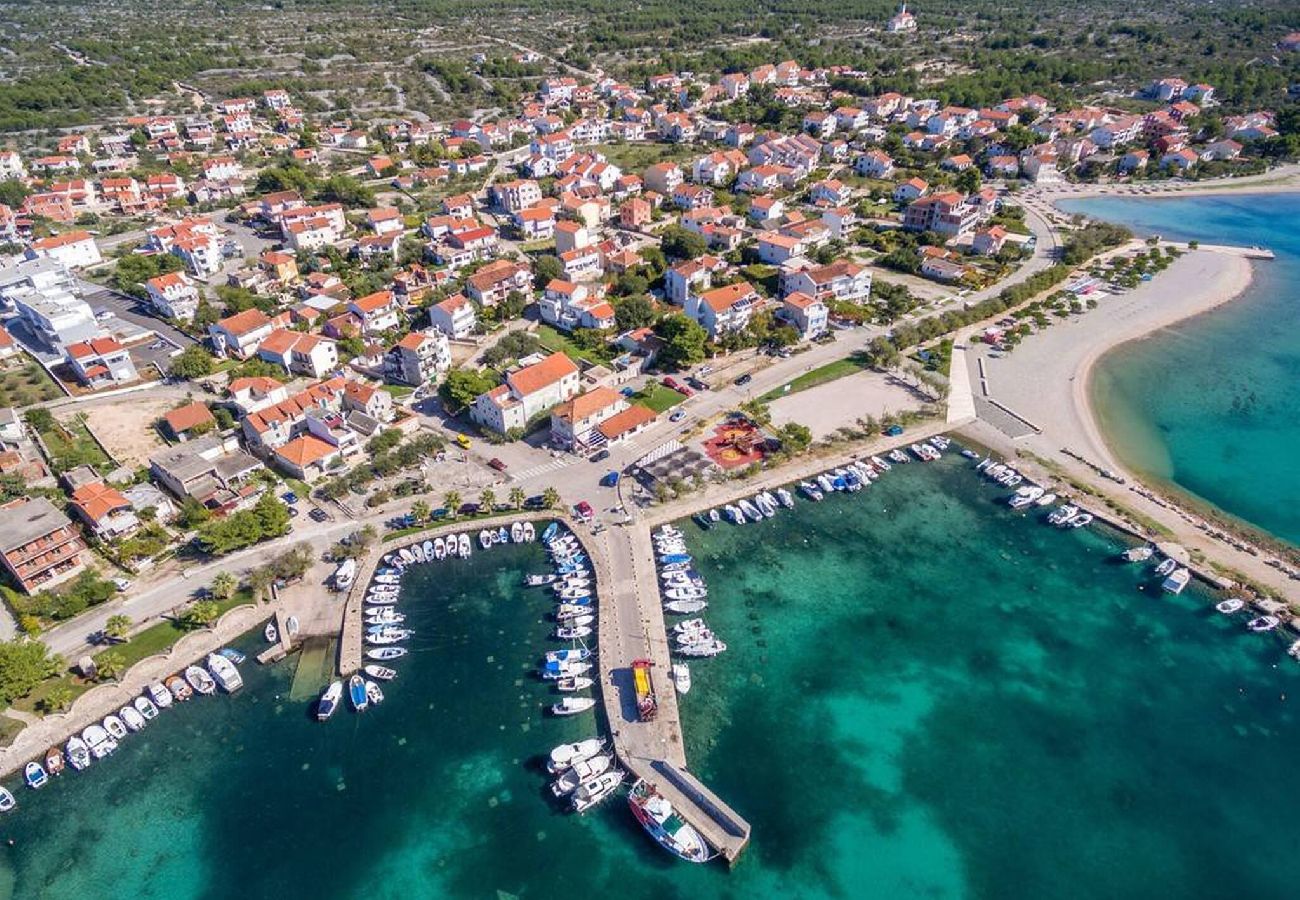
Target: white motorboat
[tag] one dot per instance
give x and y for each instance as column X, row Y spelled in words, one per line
column 7, row 801
column 1166, row 567
column 98, row 741
column 345, row 574
column 131, row 717
column 225, row 673
column 573, row 632
column 574, row 683
column 407, row 556
column 1176, row 581
column 1263, row 623
column 270, row 633
column 566, row 755
column 811, row 491
column 1062, row 514
column 1294, row 650
column 898, row 456
column 682, row 678
column 145, row 707
column 1231, row 605
column 200, row 680
column 387, row 636
column 77, row 752
column 1045, row 500
column 591, row 793
column 785, row 498
column 583, row 770
column 329, row 701
column 572, row 706
column 380, row 673
column 1025, row 496
column 530, row 533
column 766, row 506
column 1138, row 554
column 439, row 548
column 709, row 647
column 825, row 483
column 517, row 533
column 581, row 621
column 429, row 551
column 179, row 689
column 682, row 593
column 486, row 538
column 115, row 727
column 685, row 607
column 555, row 670
column 665, row 825
column 880, row 463
column 374, row 694
column 463, row 545
column 571, row 611
column 539, row 580
column 35, row 776
column 384, row 654
column 568, row 654
column 388, row 579
column 1082, row 519
column 750, row 510
column 161, row 697
column 734, row 515
column 687, row 626
column 387, row 616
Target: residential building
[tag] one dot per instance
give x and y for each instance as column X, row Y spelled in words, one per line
column 724, row 309
column 173, row 296
column 100, row 361
column 841, row 280
column 455, row 317
column 663, row 178
column 491, row 284
column 528, row 392
column 418, row 358
column 48, row 299
column 989, row 241
column 38, row 545
column 570, row 305
column 775, row 248
column 299, row 352
column 377, row 312
column 874, row 164
column 239, row 335
column 104, row 510
column 189, row 421
column 513, row 196
column 807, row 314
column 211, row 470
column 949, row 214
column 574, row 422
column 74, row 249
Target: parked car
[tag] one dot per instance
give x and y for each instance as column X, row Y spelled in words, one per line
column 599, row 455
column 743, row 380
column 697, row 384
column 677, row 416
column 670, row 383
column 289, row 497
column 318, row 515
column 537, row 501
column 121, row 583
column 497, row 464
column 610, row 479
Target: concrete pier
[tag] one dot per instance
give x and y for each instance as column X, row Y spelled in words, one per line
column 284, row 643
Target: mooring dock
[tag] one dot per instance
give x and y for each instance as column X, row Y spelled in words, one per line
column 632, row 628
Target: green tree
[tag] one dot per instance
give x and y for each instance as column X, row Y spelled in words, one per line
column 794, row 438
column 550, row 498
column 57, row 699
column 192, row 362
column 452, row 501
column 110, row 665
column 259, row 582
column 517, row 497
column 117, row 626
column 634, row 311
column 420, row 510
column 678, row 243
column 487, row 499
column 462, row 387
column 546, row 269
column 13, row 192
column 881, row 353
column 684, row 340
column 968, row 180
column 201, row 614
column 223, row 586
column 23, row 665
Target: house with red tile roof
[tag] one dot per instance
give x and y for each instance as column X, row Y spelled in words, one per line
column 100, row 362
column 104, row 510
column 239, row 335
column 528, row 392
column 418, row 358
column 724, row 309
column 190, row 420
column 300, row 353
column 574, row 422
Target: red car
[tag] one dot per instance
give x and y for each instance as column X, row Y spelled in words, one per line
column 497, row 464
column 584, row 512
column 673, row 385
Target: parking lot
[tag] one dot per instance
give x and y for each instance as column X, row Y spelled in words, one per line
column 135, row 317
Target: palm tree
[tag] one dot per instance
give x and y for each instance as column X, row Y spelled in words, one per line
column 117, row 626
column 110, row 665
column 224, row 586
column 488, row 499
column 451, row 500
column 551, row 498
column 420, row 510
column 57, row 699
column 259, row 580
column 517, row 497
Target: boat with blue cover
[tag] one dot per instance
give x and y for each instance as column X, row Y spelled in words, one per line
column 357, row 693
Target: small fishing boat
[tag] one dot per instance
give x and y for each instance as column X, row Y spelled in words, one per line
column 357, row 693
column 1176, row 581
column 145, row 708
column 382, row 673
column 686, row 593
column 785, row 498
column 54, row 761
column 734, row 515
column 179, row 689
column 7, row 801
column 439, row 548
column 685, row 607
column 407, row 556
column 539, row 580
column 550, row 532
column 1045, row 500
column 429, row 554
column 554, row 670
column 1166, row 567
column 585, row 770
column 898, row 456
column 824, row 482
column 345, row 574
column 682, row 678
column 35, row 776
column 570, row 611
column 591, row 793
column 329, row 701
column 1231, row 605
column 751, row 511
column 573, row 632
column 568, row 655
column 270, row 633
column 565, row 756
column 131, row 718
column 486, row 538
column 663, row 823
column 530, row 533
column 1082, row 519
column 100, row 743
column 1263, row 623
column 159, row 694
column 575, row 683
column 573, row 593
column 708, row 647
column 115, row 727
column 572, row 706
column 463, row 545
column 236, row 657
column 1062, row 515
column 1138, row 554
column 517, row 533
column 880, row 464
column 200, row 680
column 374, row 694
column 224, row 673
column 811, row 491
column 390, row 636
column 78, row 752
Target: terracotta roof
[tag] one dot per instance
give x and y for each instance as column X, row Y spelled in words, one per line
column 414, row 341
column 727, row 296
column 61, row 240
column 305, row 450
column 97, row 500
column 186, row 417
column 242, row 323
column 620, row 423
column 93, row 347
column 531, row 379
column 372, row 302
column 584, row 405
column 263, row 383
column 800, row 300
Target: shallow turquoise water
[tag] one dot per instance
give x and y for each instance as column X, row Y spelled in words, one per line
column 1224, row 421
column 926, row 695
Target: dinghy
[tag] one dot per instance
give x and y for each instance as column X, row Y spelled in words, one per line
column 572, row 706
column 329, row 701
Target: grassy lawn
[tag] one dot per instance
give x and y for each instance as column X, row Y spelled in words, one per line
column 22, row 384
column 70, row 445
column 398, row 391
column 9, row 729
column 658, row 397
column 31, row 703
column 559, row 342
column 634, row 158
column 823, row 375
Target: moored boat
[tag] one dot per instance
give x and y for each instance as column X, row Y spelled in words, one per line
column 380, row 673
column 1138, row 554
column 584, row 770
column 573, row 684
column 685, row 607
column 1231, row 605
column 682, row 678
column 662, row 823
column 329, row 701
column 200, row 680
column 1263, row 623
column 566, row 755
column 374, row 693
column 159, row 694
column 115, row 727
column 1176, row 581
column 54, row 761
column 144, row 706
column 591, row 793
column 270, row 633
column 131, row 717
column 224, row 673
column 572, row 706
column 7, row 801
column 357, row 693
column 179, row 689
column 35, row 776
column 383, row 654
column 78, row 753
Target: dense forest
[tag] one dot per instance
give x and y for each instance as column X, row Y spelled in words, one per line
column 69, row 63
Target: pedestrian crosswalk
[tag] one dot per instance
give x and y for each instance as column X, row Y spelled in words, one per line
column 551, row 465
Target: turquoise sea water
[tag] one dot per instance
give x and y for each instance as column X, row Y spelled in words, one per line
column 1211, row 404
column 926, row 695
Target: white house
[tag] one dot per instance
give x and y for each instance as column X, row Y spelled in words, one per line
column 723, row 309
column 454, row 317
column 528, row 392
column 173, row 295
column 73, row 249
column 808, row 314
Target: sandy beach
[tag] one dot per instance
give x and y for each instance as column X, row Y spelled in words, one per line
column 1046, row 378
column 1283, row 179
